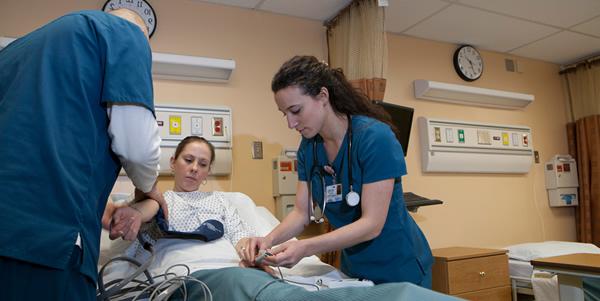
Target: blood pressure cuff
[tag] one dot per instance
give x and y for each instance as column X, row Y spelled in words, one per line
column 209, row 230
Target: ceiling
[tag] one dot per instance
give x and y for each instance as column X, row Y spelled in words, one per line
column 557, row 31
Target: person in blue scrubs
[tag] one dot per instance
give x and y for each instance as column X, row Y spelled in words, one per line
column 348, row 151
column 67, row 93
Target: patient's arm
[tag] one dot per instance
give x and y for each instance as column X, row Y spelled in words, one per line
column 126, row 221
column 291, row 226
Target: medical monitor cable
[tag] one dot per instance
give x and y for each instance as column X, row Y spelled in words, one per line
column 106, row 294
column 161, row 290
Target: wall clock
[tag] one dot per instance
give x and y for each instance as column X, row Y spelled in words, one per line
column 468, row 63
column 142, row 7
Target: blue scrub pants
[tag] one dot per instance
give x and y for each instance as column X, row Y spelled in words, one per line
column 22, row 280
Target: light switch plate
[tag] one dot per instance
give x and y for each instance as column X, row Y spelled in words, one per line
column 257, row 150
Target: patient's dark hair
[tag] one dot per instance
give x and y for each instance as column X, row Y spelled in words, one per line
column 310, row 75
column 189, row 139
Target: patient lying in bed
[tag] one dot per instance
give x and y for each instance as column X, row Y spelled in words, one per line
column 216, row 262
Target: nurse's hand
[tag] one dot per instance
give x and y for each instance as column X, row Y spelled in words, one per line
column 108, row 213
column 126, row 223
column 287, row 254
column 249, row 247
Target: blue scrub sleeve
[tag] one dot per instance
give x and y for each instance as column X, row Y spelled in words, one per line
column 127, row 53
column 379, row 154
column 301, row 156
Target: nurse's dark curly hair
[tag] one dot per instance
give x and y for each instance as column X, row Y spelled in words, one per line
column 189, row 139
column 307, row 73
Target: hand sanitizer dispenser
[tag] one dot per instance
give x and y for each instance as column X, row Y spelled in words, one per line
column 561, row 181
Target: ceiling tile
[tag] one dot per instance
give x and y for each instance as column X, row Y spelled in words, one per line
column 311, row 9
column 559, row 48
column 402, row 14
column 559, row 13
column 239, row 3
column 464, row 25
column 591, row 27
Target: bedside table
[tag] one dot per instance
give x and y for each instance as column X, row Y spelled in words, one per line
column 472, row 273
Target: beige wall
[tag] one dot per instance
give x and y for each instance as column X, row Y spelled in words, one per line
column 483, row 209
column 478, row 210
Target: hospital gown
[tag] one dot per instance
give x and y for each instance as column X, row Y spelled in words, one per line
column 187, row 210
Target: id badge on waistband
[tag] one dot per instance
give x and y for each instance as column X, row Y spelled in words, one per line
column 333, row 193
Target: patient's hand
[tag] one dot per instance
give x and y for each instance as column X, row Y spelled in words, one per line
column 126, row 222
column 249, row 247
column 264, row 267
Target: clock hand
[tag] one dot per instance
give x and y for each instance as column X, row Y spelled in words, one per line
column 471, row 63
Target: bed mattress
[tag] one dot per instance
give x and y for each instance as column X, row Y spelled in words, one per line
column 519, row 268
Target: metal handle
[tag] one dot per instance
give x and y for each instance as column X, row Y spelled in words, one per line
column 482, row 274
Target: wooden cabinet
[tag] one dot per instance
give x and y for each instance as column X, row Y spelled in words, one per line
column 472, row 273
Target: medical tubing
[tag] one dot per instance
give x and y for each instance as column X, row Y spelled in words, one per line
column 142, row 268
column 156, row 288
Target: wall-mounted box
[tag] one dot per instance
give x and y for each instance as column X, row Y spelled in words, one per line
column 560, row 174
column 467, row 95
column 469, row 147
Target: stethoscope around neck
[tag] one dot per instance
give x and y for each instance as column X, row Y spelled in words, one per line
column 352, row 198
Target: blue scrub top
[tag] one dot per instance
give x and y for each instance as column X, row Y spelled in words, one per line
column 56, row 164
column 400, row 252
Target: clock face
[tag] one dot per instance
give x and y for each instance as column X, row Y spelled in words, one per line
column 468, row 63
column 142, row 7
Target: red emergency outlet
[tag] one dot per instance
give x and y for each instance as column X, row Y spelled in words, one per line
column 525, row 140
column 217, row 126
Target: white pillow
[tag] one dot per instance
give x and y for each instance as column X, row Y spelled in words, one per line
column 535, row 250
column 249, row 212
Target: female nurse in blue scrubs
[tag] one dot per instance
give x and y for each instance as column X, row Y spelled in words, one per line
column 350, row 165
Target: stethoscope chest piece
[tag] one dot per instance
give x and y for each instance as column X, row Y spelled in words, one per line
column 352, row 198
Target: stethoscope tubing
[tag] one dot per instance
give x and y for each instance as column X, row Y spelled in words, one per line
column 352, row 198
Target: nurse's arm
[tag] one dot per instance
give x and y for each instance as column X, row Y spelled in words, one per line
column 375, row 201
column 293, row 224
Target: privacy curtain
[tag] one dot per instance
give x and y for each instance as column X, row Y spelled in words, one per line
column 357, row 44
column 583, row 88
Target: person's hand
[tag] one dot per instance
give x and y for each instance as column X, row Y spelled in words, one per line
column 109, row 210
column 156, row 195
column 287, row 254
column 126, row 222
column 264, row 267
column 247, row 248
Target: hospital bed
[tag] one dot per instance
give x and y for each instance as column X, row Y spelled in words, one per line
column 219, row 258
column 527, row 280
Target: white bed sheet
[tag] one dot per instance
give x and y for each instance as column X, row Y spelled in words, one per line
column 519, row 268
column 216, row 254
column 544, row 284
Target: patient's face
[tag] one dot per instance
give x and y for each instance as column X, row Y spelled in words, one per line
column 191, row 167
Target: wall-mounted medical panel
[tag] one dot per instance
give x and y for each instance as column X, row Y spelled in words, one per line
column 468, row 147
column 212, row 123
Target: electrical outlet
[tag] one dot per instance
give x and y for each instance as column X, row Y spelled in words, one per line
column 257, row 150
